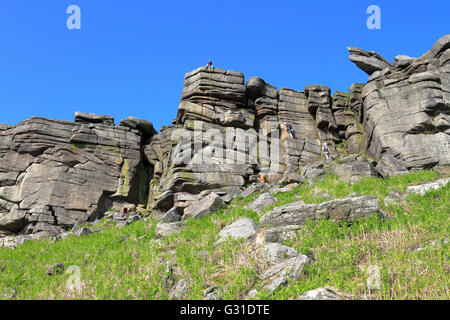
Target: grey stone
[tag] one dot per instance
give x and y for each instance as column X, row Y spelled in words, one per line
column 83, row 232
column 275, row 252
column 167, row 229
column 263, row 201
column 204, row 206
column 180, row 290
column 277, row 234
column 394, row 197
column 321, row 294
column 353, row 171
column 424, row 188
column 241, row 229
column 389, row 166
column 297, row 213
column 171, row 216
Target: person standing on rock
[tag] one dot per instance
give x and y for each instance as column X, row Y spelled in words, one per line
column 210, row 65
column 325, row 150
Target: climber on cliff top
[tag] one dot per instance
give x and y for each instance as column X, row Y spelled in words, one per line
column 210, row 65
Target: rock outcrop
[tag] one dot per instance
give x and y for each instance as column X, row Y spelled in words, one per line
column 55, row 174
column 406, row 107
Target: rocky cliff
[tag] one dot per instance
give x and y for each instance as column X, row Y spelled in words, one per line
column 58, row 174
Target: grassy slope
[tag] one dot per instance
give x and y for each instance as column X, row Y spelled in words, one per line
column 115, row 265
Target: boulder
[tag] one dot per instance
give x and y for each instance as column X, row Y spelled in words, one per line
column 389, row 166
column 297, row 213
column 263, row 201
column 243, row 228
column 353, row 171
column 276, row 252
column 167, row 229
column 171, row 216
column 203, row 207
column 277, row 234
column 180, row 290
column 321, row 294
column 424, row 188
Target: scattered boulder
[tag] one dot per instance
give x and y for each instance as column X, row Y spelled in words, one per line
column 10, row 294
column 263, row 201
column 290, row 269
column 180, row 290
column 321, row 294
column 394, row 197
column 243, row 228
column 275, row 252
column 171, row 216
column 286, row 188
column 275, row 285
column 314, row 170
column 291, row 178
column 212, row 293
column 297, row 213
column 353, row 171
column 389, row 166
column 277, row 234
column 167, row 229
column 83, row 232
column 204, row 206
column 424, row 188
column 254, row 188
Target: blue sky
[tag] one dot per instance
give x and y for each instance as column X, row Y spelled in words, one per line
column 130, row 57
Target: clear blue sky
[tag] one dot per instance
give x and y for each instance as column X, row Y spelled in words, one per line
column 130, row 57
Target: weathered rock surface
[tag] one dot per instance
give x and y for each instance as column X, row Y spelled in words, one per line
column 205, row 206
column 321, row 294
column 406, row 110
column 354, row 170
column 424, row 188
column 277, row 234
column 167, row 229
column 276, row 252
column 389, row 166
column 368, row 61
column 56, row 174
column 297, row 213
column 263, row 201
column 241, row 229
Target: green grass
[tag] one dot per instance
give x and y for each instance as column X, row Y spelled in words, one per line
column 115, row 265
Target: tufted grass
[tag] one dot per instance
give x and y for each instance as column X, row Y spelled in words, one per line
column 119, row 264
